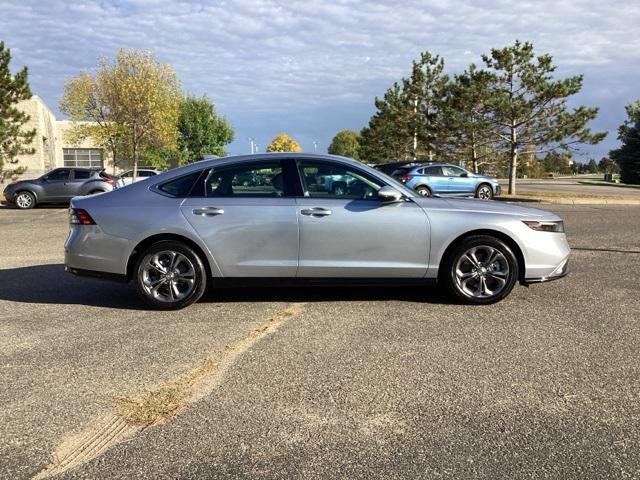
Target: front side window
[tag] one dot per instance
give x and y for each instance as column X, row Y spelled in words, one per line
column 330, row 180
column 246, row 180
column 59, row 174
column 451, row 171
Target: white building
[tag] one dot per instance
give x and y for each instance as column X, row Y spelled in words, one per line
column 51, row 148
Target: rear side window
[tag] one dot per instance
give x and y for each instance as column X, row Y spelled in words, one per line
column 181, row 186
column 245, row 180
column 433, row 171
column 82, row 174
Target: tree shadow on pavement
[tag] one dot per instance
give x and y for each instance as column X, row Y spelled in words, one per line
column 50, row 284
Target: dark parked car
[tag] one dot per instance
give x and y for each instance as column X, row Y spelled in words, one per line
column 58, row 186
column 391, row 167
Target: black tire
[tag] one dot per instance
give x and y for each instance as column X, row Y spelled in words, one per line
column 423, row 191
column 484, row 191
column 25, row 200
column 461, row 290
column 199, row 276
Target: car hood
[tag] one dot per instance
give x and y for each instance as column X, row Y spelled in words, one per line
column 484, row 177
column 484, row 206
column 20, row 182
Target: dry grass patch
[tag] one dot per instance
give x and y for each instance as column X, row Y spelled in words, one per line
column 155, row 406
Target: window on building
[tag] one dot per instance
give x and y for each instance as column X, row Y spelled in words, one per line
column 82, row 157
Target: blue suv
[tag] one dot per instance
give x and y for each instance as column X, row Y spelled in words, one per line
column 445, row 179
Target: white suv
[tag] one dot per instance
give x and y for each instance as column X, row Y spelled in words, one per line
column 127, row 177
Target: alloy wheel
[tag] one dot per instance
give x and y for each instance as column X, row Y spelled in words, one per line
column 482, row 272
column 484, row 193
column 24, row 200
column 168, row 276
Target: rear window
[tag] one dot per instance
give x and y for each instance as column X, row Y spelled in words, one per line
column 81, row 174
column 400, row 171
column 181, row 186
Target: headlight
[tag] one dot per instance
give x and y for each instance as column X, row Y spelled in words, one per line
column 545, row 226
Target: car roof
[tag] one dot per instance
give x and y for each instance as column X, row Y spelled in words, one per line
column 209, row 162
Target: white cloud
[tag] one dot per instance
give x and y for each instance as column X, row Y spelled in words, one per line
column 313, row 67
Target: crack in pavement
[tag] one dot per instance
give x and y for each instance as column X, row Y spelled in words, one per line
column 132, row 415
column 609, row 250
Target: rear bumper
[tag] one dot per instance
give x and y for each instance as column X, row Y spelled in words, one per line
column 498, row 190
column 116, row 277
column 88, row 248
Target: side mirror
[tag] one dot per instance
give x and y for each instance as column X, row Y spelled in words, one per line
column 465, row 175
column 44, row 179
column 389, row 194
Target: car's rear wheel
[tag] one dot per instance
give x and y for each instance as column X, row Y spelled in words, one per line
column 480, row 270
column 25, row 200
column 484, row 192
column 423, row 191
column 170, row 275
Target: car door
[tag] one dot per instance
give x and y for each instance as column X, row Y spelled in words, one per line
column 459, row 181
column 78, row 178
column 352, row 233
column 247, row 218
column 55, row 184
column 433, row 178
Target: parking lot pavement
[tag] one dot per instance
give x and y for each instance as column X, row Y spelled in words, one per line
column 363, row 383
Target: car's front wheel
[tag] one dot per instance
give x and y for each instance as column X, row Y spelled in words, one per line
column 484, row 192
column 169, row 275
column 480, row 270
column 25, row 200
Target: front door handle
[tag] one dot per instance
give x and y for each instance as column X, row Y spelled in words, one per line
column 316, row 212
column 208, row 211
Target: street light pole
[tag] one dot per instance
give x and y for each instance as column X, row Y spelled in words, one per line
column 315, row 146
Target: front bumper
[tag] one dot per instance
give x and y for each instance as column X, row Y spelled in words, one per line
column 498, row 190
column 560, row 272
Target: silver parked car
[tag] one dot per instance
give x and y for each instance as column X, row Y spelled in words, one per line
column 59, row 186
column 198, row 225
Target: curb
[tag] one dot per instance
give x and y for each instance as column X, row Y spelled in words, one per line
column 570, row 201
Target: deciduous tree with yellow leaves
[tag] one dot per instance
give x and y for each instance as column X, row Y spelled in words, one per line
column 132, row 103
column 283, row 143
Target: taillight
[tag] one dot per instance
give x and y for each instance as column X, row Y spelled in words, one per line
column 78, row 216
column 406, row 178
column 107, row 179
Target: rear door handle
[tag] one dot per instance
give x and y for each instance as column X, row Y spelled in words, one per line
column 316, row 212
column 208, row 211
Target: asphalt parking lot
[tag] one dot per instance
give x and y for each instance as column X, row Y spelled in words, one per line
column 362, row 383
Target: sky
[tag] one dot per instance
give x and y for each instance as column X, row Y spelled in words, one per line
column 311, row 68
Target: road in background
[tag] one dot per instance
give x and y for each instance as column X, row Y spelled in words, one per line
column 363, row 383
column 570, row 185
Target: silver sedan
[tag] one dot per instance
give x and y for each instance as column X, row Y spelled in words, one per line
column 297, row 218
